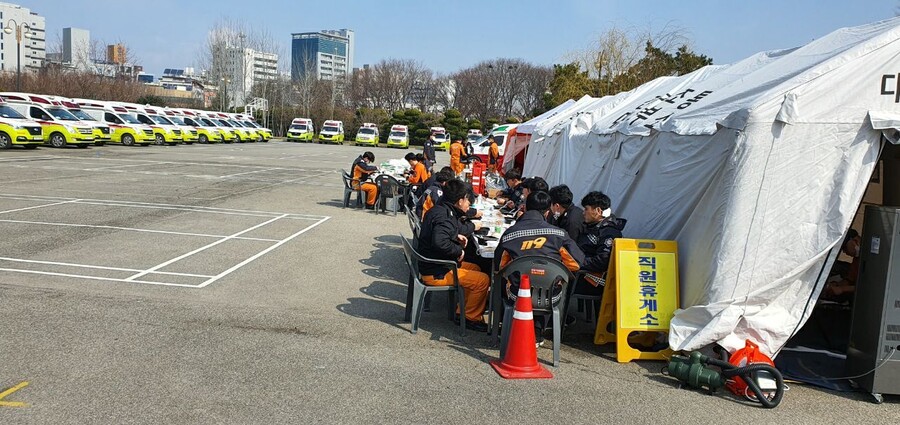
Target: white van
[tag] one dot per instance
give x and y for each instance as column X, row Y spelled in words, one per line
column 399, row 137
column 58, row 126
column 481, row 146
column 332, row 132
column 301, row 130
column 124, row 128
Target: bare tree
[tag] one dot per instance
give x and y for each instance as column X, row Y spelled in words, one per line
column 500, row 88
column 391, row 83
column 612, row 54
column 228, row 58
column 535, row 80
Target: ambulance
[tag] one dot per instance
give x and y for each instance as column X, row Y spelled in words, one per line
column 241, row 134
column 123, row 127
column 473, row 135
column 58, row 126
column 264, row 133
column 367, row 134
column 102, row 134
column 189, row 132
column 227, row 131
column 164, row 131
column 15, row 129
column 332, row 132
column 441, row 138
column 481, row 146
column 399, row 137
column 207, row 132
column 253, row 134
column 301, row 130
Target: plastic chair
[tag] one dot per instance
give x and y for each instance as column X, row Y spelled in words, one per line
column 413, row 200
column 415, row 225
column 348, row 190
column 555, row 279
column 417, row 290
column 590, row 301
column 389, row 189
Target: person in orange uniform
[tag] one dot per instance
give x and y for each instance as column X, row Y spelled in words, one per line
column 362, row 169
column 457, row 153
column 418, row 173
column 443, row 237
column 493, row 155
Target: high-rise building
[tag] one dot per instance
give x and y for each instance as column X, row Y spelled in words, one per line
column 242, row 68
column 34, row 39
column 327, row 54
column 76, row 48
column 116, row 54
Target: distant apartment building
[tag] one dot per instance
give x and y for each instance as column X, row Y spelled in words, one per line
column 243, row 68
column 76, row 48
column 34, row 40
column 116, row 53
column 328, row 54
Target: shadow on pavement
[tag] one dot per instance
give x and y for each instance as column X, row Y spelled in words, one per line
column 390, row 313
column 386, row 291
column 337, row 203
column 386, row 261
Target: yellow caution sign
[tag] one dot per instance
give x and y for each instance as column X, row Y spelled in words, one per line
column 642, row 287
column 9, row 391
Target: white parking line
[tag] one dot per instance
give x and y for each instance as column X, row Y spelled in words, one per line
column 87, row 266
column 202, row 248
column 38, row 206
column 28, row 158
column 125, row 166
column 108, row 279
column 261, row 253
column 248, row 172
column 250, row 213
column 131, row 229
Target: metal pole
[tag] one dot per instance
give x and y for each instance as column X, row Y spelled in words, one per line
column 18, row 57
column 19, row 66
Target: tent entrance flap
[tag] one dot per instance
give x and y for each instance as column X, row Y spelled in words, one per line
column 889, row 124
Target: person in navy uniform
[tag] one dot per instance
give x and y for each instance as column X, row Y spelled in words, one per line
column 600, row 229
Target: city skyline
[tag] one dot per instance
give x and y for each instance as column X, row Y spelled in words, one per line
column 450, row 36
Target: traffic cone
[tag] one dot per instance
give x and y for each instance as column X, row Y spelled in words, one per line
column 520, row 359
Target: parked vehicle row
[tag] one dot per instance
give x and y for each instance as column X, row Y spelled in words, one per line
column 31, row 120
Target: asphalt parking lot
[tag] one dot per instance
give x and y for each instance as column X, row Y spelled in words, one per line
column 225, row 284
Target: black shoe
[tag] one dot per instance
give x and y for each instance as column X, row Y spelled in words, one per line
column 370, row 207
column 474, row 326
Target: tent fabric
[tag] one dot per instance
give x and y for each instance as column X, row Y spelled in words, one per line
column 518, row 141
column 528, row 127
column 756, row 168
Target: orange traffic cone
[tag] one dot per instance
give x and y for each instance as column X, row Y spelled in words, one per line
column 520, row 360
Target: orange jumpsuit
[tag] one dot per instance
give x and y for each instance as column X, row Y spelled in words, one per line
column 457, row 151
column 361, row 172
column 419, row 174
column 493, row 157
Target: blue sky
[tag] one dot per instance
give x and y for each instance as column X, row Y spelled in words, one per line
column 449, row 35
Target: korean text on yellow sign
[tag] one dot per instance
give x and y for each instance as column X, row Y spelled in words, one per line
column 647, row 286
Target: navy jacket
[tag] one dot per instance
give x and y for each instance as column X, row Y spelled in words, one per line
column 438, row 237
column 596, row 240
column 572, row 221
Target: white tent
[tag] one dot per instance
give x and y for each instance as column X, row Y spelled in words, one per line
column 755, row 168
column 522, row 133
column 543, row 140
column 528, row 127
